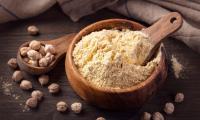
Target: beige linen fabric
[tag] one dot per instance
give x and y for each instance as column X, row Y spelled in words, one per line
column 147, row 11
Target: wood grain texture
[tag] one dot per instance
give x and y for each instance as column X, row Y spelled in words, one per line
column 13, row 34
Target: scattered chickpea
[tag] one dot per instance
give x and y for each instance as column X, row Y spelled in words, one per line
column 61, row 106
column 33, row 30
column 35, row 45
column 32, row 102
column 12, row 63
column 169, row 108
column 100, row 118
column 146, row 116
column 26, row 85
column 37, row 94
column 42, row 51
column 158, row 116
column 54, row 88
column 76, row 107
column 50, row 48
column 33, row 63
column 43, row 79
column 43, row 62
column 17, row 76
column 179, row 98
column 34, row 55
column 24, row 50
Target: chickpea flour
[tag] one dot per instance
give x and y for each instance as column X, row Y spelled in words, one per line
column 112, row 58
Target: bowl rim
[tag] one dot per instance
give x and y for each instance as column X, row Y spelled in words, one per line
column 136, row 87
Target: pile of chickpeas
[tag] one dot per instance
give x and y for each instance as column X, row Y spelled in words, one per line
column 39, row 55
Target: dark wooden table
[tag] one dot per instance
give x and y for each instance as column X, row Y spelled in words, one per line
column 53, row 24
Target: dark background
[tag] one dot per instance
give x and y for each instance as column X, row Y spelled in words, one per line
column 53, row 24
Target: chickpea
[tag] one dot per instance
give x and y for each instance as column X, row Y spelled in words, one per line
column 61, row 106
column 34, row 55
column 169, row 108
column 35, row 45
column 17, row 76
column 42, row 51
column 26, row 85
column 33, row 30
column 179, row 98
column 32, row 102
column 49, row 57
column 158, row 116
column 146, row 116
column 76, row 107
column 54, row 88
column 26, row 59
column 33, row 63
column 43, row 62
column 37, row 94
column 50, row 48
column 100, row 118
column 12, row 63
column 43, row 79
column 24, row 50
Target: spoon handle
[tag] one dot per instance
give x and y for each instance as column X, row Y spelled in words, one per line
column 61, row 44
column 164, row 27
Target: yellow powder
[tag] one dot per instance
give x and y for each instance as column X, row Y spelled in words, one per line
column 177, row 67
column 112, row 58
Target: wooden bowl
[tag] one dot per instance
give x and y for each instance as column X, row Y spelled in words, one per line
column 110, row 98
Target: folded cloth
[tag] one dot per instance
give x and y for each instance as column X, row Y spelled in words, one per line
column 190, row 12
column 79, row 8
column 147, row 11
column 19, row 9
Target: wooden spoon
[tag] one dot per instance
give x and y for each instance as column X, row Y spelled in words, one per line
column 165, row 26
column 60, row 44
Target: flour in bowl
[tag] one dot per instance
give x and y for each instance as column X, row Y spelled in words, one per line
column 112, row 58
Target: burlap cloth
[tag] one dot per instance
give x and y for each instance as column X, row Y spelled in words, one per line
column 147, row 11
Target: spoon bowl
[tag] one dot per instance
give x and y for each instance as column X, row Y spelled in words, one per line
column 111, row 98
column 60, row 45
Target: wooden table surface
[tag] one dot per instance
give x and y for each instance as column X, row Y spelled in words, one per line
column 53, row 24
